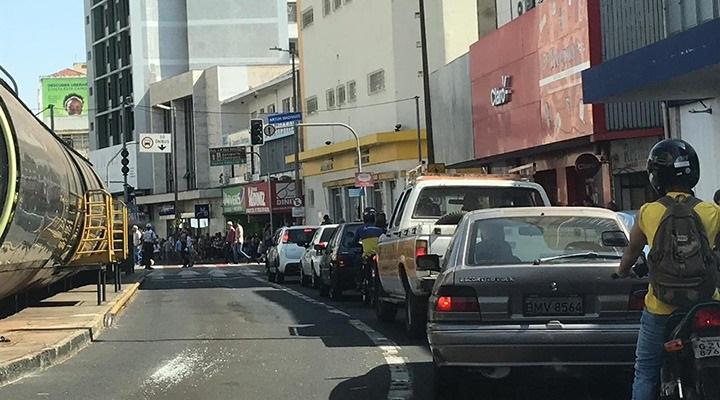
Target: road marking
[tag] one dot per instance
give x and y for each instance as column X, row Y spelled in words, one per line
column 400, row 382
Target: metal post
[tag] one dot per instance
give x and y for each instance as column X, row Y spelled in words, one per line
column 99, row 294
column 426, row 85
column 175, row 162
column 104, row 283
column 270, row 206
column 357, row 148
column 52, row 117
column 417, row 119
column 118, row 277
column 126, row 194
column 296, row 131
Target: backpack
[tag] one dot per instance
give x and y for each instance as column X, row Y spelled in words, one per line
column 682, row 263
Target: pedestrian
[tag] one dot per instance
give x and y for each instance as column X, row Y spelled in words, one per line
column 239, row 241
column 716, row 197
column 137, row 243
column 230, row 243
column 168, row 245
column 686, row 279
column 326, row 220
column 149, row 237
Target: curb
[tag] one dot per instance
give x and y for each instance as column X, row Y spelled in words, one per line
column 63, row 350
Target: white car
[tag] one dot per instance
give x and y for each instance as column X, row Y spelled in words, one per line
column 283, row 257
column 310, row 262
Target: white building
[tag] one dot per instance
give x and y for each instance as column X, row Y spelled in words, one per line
column 361, row 65
column 132, row 44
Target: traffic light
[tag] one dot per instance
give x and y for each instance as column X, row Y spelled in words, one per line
column 243, row 155
column 124, row 161
column 256, row 131
column 129, row 194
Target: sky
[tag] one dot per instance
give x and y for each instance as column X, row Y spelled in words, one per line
column 40, row 37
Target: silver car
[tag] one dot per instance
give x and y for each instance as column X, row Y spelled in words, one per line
column 533, row 287
column 314, row 250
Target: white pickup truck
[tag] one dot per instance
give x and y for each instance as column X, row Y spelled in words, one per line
column 423, row 222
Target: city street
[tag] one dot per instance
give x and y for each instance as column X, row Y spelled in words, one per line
column 225, row 333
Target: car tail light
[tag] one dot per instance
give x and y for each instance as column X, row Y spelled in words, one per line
column 707, row 318
column 457, row 299
column 286, row 237
column 674, row 346
column 342, row 261
column 421, row 248
column 637, row 299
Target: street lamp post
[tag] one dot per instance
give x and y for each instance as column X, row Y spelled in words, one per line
column 172, row 110
column 126, row 101
column 426, row 85
column 357, row 148
column 298, row 189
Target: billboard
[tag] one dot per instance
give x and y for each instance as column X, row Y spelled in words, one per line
column 68, row 95
column 526, row 82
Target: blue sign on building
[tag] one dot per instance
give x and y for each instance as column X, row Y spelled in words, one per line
column 284, row 117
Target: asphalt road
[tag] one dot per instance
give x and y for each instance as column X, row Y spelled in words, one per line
column 225, row 333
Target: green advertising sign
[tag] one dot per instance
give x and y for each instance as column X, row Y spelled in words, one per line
column 233, row 199
column 68, row 95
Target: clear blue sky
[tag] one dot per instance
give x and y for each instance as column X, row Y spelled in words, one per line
column 40, row 37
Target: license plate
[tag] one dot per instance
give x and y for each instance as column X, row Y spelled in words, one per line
column 540, row 306
column 706, row 347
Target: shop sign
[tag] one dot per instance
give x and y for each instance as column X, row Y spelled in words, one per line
column 166, row 209
column 630, row 155
column 284, row 195
column 233, row 199
column 502, row 94
column 258, row 200
column 202, row 210
column 364, row 179
column 587, row 165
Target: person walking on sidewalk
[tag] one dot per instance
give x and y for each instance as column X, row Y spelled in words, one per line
column 230, row 243
column 149, row 238
column 137, row 243
column 239, row 242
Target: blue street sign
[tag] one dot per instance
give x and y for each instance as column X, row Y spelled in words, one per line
column 284, row 117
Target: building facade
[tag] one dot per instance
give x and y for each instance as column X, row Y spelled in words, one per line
column 361, row 65
column 680, row 68
column 132, row 44
column 63, row 99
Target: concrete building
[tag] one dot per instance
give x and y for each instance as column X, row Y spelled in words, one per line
column 65, row 92
column 678, row 67
column 132, row 44
column 361, row 65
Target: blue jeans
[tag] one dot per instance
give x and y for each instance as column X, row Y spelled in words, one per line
column 649, row 356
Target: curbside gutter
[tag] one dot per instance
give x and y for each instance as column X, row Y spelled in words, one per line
column 75, row 341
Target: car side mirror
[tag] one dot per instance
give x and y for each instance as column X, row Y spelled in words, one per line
column 614, row 239
column 429, row 262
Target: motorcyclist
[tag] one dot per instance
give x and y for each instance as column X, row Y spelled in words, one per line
column 674, row 169
column 369, row 233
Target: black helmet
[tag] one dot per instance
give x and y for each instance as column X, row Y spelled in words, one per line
column 369, row 215
column 673, row 163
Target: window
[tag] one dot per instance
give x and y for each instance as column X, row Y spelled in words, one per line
column 337, row 4
column 292, row 11
column 399, row 208
column 261, row 112
column 311, row 105
column 286, row 104
column 310, row 198
column 365, row 154
column 330, row 98
column 271, row 109
column 307, row 17
column 341, row 95
column 352, row 91
column 376, row 82
column 326, row 7
column 434, row 202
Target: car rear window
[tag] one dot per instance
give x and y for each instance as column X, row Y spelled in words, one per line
column 350, row 238
column 299, row 235
column 326, row 234
column 434, row 202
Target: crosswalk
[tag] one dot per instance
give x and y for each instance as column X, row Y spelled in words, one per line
column 205, row 271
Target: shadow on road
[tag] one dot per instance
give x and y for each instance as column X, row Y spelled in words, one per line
column 238, row 282
column 364, row 387
column 334, row 331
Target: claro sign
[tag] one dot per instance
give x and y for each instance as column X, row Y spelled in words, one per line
column 258, row 198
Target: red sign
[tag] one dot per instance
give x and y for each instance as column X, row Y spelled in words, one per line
column 257, row 198
column 364, row 179
column 526, row 81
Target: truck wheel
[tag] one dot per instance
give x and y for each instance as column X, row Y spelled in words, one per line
column 384, row 311
column 415, row 315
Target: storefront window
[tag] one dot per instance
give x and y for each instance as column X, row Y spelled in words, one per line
column 632, row 190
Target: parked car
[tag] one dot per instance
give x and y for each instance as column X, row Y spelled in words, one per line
column 341, row 263
column 423, row 221
column 315, row 248
column 283, row 258
column 532, row 287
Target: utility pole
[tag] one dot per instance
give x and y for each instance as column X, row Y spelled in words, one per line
column 417, row 120
column 123, row 134
column 51, row 107
column 426, row 86
column 173, row 117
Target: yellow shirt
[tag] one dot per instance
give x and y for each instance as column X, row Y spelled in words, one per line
column 648, row 221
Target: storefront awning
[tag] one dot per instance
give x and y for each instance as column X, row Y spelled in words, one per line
column 685, row 66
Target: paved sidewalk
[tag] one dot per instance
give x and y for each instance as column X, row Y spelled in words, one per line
column 56, row 328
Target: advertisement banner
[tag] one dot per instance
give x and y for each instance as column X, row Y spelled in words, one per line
column 283, row 196
column 68, row 95
column 257, row 198
column 233, row 200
